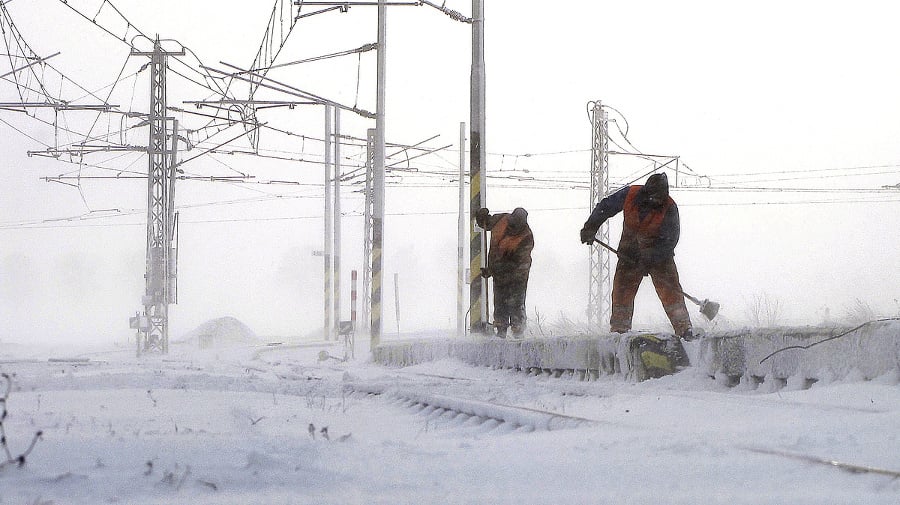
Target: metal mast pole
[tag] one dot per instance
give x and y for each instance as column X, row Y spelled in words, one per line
column 328, row 223
column 599, row 291
column 477, row 165
column 171, row 292
column 378, row 180
column 397, row 300
column 367, row 226
column 353, row 291
column 461, row 237
column 337, row 220
column 153, row 327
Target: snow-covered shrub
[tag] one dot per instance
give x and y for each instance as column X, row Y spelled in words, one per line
column 4, row 441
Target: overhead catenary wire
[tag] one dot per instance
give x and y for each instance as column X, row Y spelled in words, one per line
column 23, row 133
column 551, row 180
column 48, row 223
column 359, row 50
column 26, row 52
column 811, row 170
column 132, row 32
column 811, row 173
column 517, row 179
column 817, row 177
column 24, row 49
column 557, row 180
column 88, row 93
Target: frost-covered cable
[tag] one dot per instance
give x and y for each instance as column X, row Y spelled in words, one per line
column 829, row 338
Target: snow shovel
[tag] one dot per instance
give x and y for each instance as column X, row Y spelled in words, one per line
column 708, row 308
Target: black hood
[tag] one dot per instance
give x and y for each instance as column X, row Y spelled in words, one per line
column 518, row 220
column 656, row 190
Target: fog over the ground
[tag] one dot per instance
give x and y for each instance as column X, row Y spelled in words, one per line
column 764, row 97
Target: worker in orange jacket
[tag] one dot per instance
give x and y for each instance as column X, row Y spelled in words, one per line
column 647, row 247
column 509, row 263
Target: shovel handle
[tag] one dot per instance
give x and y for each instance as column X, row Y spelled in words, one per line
column 611, row 248
column 604, row 244
column 691, row 298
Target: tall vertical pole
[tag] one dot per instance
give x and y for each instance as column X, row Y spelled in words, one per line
column 600, row 286
column 367, row 227
column 328, row 225
column 353, row 282
column 337, row 220
column 461, row 237
column 353, row 291
column 170, row 215
column 171, row 224
column 477, row 166
column 397, row 300
column 378, row 180
column 153, row 327
column 157, row 207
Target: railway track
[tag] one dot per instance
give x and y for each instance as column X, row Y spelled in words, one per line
column 456, row 411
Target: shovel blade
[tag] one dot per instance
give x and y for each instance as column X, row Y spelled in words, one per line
column 709, row 309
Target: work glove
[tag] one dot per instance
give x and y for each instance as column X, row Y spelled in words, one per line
column 486, row 273
column 588, row 234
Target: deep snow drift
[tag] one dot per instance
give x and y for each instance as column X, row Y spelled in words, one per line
column 274, row 424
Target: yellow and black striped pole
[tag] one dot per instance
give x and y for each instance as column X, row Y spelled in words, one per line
column 477, row 164
column 378, row 179
column 377, row 264
column 477, row 314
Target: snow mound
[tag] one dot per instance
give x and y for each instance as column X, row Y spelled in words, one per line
column 220, row 332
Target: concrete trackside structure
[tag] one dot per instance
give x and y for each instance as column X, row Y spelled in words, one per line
column 806, row 354
column 753, row 356
column 586, row 356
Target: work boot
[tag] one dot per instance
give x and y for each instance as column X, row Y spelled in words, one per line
column 501, row 331
column 688, row 335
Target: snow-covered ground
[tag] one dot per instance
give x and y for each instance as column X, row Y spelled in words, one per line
column 275, row 425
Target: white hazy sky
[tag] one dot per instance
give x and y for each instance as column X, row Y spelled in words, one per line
column 766, row 94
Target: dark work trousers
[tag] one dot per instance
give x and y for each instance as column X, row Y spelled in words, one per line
column 509, row 302
column 626, row 281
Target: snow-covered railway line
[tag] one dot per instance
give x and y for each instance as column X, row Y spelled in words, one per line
column 452, row 411
column 455, row 411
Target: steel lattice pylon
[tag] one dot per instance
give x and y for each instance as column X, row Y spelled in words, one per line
column 153, row 326
column 600, row 286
